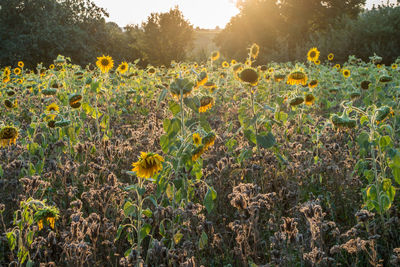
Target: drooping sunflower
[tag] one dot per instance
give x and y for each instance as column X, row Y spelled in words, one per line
column 254, row 50
column 197, row 152
column 17, row 71
column 208, row 140
column 346, row 73
column 365, row 84
column 225, row 64
column 148, row 165
column 206, row 102
column 297, row 77
column 105, row 63
column 330, row 57
column 52, row 108
column 8, row 136
column 211, row 86
column 313, row 84
column 75, row 100
column 201, row 80
column 196, row 139
column 215, row 55
column 249, row 75
column 296, row 100
column 123, row 67
column 313, row 54
column 309, row 99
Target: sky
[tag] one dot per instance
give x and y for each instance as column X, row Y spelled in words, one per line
column 206, row 14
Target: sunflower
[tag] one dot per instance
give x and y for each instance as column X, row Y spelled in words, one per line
column 52, row 108
column 330, row 57
column 201, row 80
column 225, row 64
column 206, row 102
column 297, row 77
column 215, row 55
column 20, row 64
column 365, row 85
column 317, row 62
column 297, row 100
column 346, row 73
column 17, row 71
column 8, row 136
column 10, row 104
column 197, row 152
column 309, row 99
column 313, row 84
column 210, row 86
column 379, row 66
column 123, row 67
column 313, row 54
column 337, row 66
column 394, row 66
column 248, row 62
column 254, row 50
column 51, row 221
column 279, row 77
column 196, row 139
column 51, row 66
column 148, row 165
column 74, row 100
column 237, row 67
column 249, row 75
column 271, row 70
column 7, row 71
column 6, row 79
column 233, row 62
column 208, row 140
column 151, row 70
column 105, row 63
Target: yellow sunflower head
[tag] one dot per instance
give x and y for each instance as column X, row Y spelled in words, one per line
column 249, row 75
column 196, row 139
column 197, row 152
column 123, row 67
column 208, row 140
column 52, row 108
column 215, row 55
column 254, row 50
column 8, row 136
column 225, row 64
column 297, row 77
column 317, row 62
column 21, row 64
column 309, row 99
column 206, row 102
column 330, row 57
column 7, row 71
column 394, row 66
column 148, row 165
column 313, row 54
column 17, row 71
column 233, row 62
column 105, row 63
column 248, row 62
column 346, row 73
column 313, row 84
column 51, row 66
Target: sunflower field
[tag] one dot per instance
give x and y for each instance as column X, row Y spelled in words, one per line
column 220, row 163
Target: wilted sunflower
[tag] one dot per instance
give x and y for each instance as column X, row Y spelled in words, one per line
column 148, row 165
column 208, row 140
column 309, row 99
column 196, row 139
column 8, row 136
column 297, row 77
column 17, row 71
column 52, row 108
column 123, row 67
column 313, row 54
column 215, row 55
column 254, row 50
column 297, row 100
column 210, row 86
column 346, row 73
column 365, row 85
column 197, row 152
column 225, row 64
column 206, row 102
column 330, row 57
column 105, row 63
column 313, row 84
column 249, row 75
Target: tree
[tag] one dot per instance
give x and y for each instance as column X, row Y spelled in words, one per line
column 166, row 37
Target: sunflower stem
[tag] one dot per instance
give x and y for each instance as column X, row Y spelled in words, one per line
column 182, row 115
